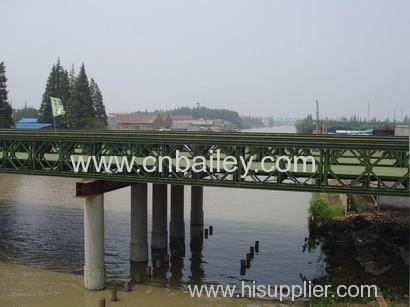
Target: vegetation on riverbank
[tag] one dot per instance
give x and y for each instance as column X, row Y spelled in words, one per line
column 368, row 246
column 357, row 203
column 321, row 210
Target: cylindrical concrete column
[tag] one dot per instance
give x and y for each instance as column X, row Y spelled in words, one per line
column 177, row 225
column 139, row 243
column 197, row 213
column 94, row 268
column 159, row 236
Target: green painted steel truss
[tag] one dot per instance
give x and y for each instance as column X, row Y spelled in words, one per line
column 344, row 164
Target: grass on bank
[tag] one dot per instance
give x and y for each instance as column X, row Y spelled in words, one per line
column 321, row 210
column 357, row 203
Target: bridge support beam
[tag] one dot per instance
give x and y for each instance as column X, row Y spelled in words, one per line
column 159, row 235
column 139, row 243
column 94, row 268
column 197, row 212
column 177, row 224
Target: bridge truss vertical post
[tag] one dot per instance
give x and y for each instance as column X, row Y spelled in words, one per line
column 177, row 224
column 94, row 267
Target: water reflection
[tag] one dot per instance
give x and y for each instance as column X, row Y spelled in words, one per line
column 197, row 263
column 176, row 270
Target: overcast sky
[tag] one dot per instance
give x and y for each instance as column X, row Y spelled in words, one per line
column 257, row 57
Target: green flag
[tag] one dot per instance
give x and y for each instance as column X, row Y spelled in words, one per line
column 57, row 106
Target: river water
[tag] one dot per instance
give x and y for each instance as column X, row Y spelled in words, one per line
column 41, row 231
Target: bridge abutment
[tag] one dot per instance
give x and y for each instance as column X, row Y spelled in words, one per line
column 94, row 267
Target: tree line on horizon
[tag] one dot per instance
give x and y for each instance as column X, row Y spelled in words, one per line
column 198, row 112
column 307, row 124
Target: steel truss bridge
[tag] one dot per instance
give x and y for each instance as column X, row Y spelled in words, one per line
column 344, row 164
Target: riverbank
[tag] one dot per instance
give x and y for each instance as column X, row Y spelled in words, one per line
column 36, row 287
column 370, row 247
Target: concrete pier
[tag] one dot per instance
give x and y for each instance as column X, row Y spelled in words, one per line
column 138, row 272
column 196, row 247
column 159, row 235
column 197, row 212
column 139, row 243
column 94, row 267
column 177, row 224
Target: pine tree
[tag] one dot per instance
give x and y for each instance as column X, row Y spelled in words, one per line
column 71, row 77
column 98, row 105
column 58, row 85
column 6, row 119
column 80, row 110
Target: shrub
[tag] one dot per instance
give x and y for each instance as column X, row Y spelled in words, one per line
column 357, row 204
column 321, row 211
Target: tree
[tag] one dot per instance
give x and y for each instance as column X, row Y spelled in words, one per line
column 6, row 119
column 80, row 109
column 25, row 112
column 305, row 125
column 71, row 78
column 98, row 105
column 58, row 85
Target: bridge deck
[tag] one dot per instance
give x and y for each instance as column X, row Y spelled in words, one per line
column 349, row 164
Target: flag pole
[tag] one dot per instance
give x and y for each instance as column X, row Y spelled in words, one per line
column 55, row 127
column 56, row 110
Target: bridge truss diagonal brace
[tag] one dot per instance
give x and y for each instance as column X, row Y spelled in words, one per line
column 87, row 188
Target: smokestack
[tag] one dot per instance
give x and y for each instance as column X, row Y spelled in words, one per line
column 317, row 127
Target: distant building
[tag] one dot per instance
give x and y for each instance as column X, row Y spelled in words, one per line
column 181, row 122
column 402, row 130
column 219, row 124
column 139, row 122
column 355, row 132
column 112, row 120
column 203, row 124
column 31, row 123
column 167, row 121
column 383, row 131
column 228, row 126
column 181, row 117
